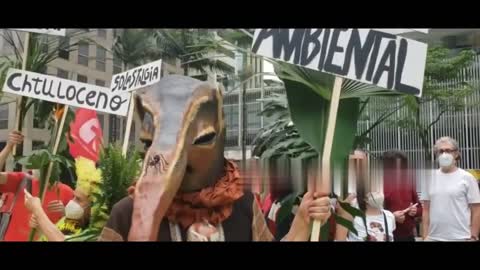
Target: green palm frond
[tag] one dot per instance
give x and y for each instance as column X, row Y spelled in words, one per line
column 118, row 173
column 133, row 46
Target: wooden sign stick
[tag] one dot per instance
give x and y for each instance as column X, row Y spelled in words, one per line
column 50, row 166
column 55, row 150
column 20, row 99
column 126, row 138
column 323, row 183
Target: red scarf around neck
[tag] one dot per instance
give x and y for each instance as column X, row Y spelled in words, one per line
column 213, row 204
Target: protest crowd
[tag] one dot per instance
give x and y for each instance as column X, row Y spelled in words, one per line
column 183, row 188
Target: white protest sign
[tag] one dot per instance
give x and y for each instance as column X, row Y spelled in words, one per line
column 53, row 89
column 136, row 78
column 398, row 31
column 47, row 31
column 364, row 55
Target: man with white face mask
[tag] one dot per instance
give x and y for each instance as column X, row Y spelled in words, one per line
column 451, row 199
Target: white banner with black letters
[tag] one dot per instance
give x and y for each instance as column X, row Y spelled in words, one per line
column 137, row 78
column 366, row 55
column 77, row 94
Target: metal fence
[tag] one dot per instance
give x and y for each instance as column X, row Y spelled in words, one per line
column 461, row 125
column 233, row 114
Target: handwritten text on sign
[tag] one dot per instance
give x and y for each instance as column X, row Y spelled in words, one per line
column 53, row 89
column 47, row 31
column 137, row 78
column 365, row 55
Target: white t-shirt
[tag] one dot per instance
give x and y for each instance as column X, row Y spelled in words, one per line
column 450, row 196
column 376, row 227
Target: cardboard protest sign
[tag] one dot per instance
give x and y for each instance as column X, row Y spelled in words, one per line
column 53, row 89
column 137, row 78
column 47, row 31
column 398, row 31
column 365, row 55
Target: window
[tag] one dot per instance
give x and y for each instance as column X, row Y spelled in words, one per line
column 81, row 78
column 101, row 58
column 117, row 65
column 113, row 128
column 102, row 33
column 44, row 44
column 4, row 116
column 37, row 145
column 64, row 43
column 83, row 54
column 100, row 82
column 62, row 73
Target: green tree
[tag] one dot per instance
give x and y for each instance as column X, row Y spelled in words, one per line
column 191, row 47
column 133, row 46
column 441, row 68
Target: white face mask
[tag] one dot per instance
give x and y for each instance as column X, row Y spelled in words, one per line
column 73, row 210
column 375, row 200
column 445, row 160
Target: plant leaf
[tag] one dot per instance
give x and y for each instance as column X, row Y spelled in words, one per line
column 355, row 212
column 346, row 223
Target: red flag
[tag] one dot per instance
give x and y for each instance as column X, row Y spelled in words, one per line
column 87, row 135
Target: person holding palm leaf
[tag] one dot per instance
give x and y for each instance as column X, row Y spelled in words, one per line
column 15, row 217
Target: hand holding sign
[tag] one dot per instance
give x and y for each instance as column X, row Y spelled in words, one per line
column 314, row 206
column 33, row 223
column 32, row 203
column 14, row 138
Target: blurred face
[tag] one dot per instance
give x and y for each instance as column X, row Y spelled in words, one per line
column 375, row 200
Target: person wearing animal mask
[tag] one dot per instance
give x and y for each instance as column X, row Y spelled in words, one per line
column 187, row 190
column 451, row 199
